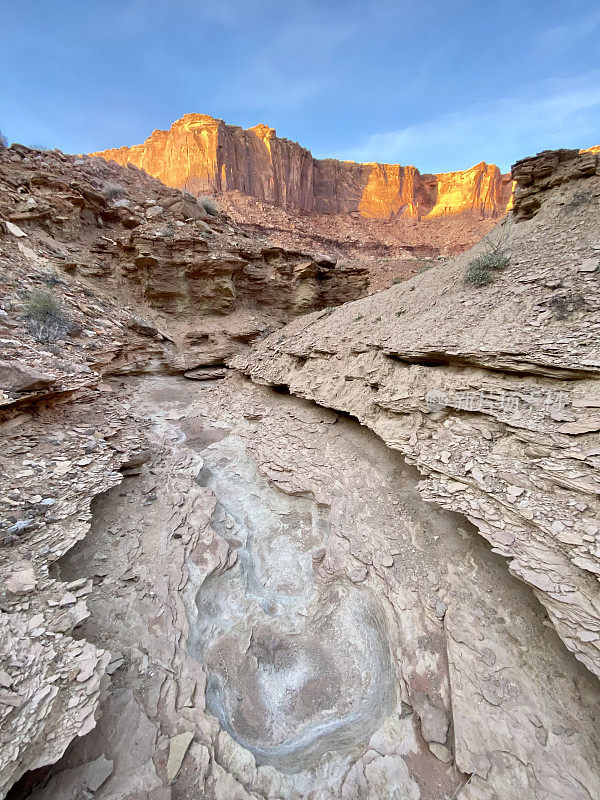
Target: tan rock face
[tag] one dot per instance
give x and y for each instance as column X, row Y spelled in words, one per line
column 202, row 287
column 199, row 153
column 536, row 175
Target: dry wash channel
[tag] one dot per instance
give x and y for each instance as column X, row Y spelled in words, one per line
column 288, row 619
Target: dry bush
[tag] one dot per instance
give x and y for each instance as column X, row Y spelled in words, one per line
column 480, row 271
column 113, row 191
column 46, row 321
column 209, row 206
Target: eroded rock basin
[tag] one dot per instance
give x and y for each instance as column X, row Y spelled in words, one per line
column 272, row 586
column 296, row 666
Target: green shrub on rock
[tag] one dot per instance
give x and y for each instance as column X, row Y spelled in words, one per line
column 480, row 271
column 46, row 321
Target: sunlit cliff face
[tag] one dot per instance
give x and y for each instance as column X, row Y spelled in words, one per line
column 200, row 153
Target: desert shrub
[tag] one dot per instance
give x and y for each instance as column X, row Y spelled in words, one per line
column 397, row 280
column 480, row 271
column 495, row 260
column 45, row 318
column 113, row 191
column 3, row 140
column 209, row 206
column 478, row 274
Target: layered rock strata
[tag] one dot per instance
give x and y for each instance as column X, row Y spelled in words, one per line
column 216, row 589
column 536, row 175
column 199, row 153
column 492, row 392
column 94, row 259
column 205, row 287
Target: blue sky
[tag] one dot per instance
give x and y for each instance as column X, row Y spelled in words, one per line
column 441, row 85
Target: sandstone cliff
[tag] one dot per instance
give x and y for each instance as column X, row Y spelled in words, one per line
column 199, row 153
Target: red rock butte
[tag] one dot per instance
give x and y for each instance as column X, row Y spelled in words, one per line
column 199, row 153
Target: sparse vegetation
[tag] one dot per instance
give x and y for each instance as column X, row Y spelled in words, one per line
column 400, row 312
column 113, row 191
column 209, row 206
column 480, row 271
column 3, row 140
column 45, row 318
column 577, row 200
column 397, row 280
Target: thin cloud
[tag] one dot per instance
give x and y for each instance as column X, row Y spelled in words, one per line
column 565, row 115
column 294, row 67
column 565, row 36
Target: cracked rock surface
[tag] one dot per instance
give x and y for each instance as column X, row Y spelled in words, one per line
column 491, row 392
column 288, row 619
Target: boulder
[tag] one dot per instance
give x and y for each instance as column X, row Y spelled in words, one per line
column 18, row 377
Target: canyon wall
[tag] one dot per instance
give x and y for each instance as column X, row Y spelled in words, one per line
column 199, row 153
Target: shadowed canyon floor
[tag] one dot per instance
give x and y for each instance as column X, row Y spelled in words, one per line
column 338, row 628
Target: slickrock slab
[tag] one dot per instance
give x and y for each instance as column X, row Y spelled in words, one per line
column 261, row 520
